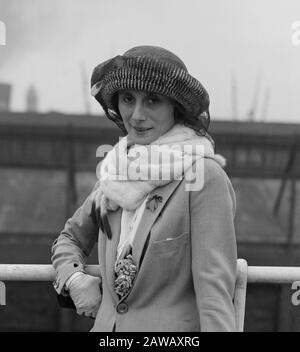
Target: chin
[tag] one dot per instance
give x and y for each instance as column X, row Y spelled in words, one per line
column 142, row 139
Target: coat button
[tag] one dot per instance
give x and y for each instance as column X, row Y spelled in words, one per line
column 122, row 308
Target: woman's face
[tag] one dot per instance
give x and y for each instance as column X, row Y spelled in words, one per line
column 146, row 116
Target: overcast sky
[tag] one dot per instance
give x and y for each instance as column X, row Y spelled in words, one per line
column 55, row 44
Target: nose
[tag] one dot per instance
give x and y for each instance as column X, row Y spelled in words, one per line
column 138, row 114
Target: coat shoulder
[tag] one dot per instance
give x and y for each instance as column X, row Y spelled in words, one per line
column 213, row 170
column 208, row 172
column 217, row 183
column 213, row 183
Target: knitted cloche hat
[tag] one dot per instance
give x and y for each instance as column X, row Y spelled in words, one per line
column 153, row 69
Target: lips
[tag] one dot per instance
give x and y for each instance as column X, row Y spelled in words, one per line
column 140, row 129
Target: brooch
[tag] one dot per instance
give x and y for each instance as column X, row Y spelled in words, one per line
column 152, row 202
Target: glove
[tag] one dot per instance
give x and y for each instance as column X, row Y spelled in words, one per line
column 85, row 292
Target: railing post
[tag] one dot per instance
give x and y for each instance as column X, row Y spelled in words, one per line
column 240, row 294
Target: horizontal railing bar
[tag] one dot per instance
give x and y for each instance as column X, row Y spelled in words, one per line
column 45, row 272
column 35, row 272
column 273, row 274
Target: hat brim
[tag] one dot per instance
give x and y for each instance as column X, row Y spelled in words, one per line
column 145, row 74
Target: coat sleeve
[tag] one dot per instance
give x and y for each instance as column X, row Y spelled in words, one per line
column 214, row 252
column 75, row 242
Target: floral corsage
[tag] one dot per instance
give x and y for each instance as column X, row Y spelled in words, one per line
column 125, row 273
column 153, row 201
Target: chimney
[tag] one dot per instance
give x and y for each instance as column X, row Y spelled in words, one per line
column 5, row 90
column 32, row 99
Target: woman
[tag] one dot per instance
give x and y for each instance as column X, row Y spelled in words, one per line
column 166, row 239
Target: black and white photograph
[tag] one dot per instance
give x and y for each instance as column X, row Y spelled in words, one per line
column 149, row 168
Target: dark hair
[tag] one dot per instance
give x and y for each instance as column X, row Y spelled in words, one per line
column 199, row 125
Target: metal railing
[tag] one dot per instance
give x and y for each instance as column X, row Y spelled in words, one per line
column 246, row 274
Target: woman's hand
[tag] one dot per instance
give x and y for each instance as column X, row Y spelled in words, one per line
column 85, row 292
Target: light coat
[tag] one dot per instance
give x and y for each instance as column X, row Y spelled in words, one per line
column 185, row 252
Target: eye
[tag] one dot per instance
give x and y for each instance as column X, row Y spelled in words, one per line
column 153, row 99
column 126, row 98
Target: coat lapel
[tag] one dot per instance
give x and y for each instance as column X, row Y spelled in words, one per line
column 143, row 230
column 148, row 218
column 111, row 248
